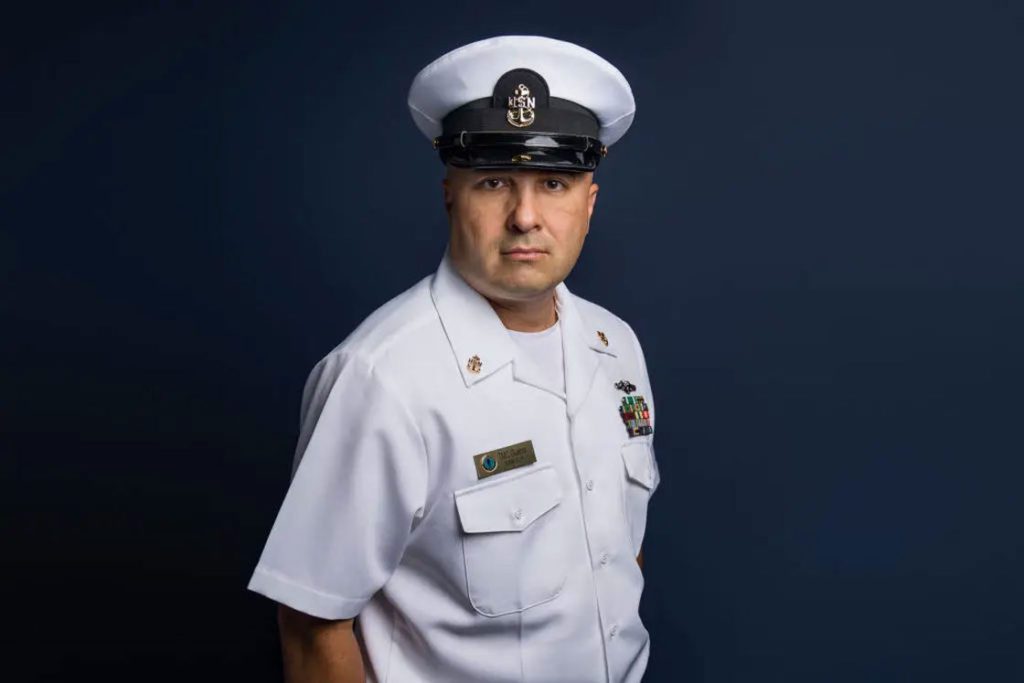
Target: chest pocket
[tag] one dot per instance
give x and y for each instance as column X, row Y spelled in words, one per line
column 639, row 480
column 515, row 540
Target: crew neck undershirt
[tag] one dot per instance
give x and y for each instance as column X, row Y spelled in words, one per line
column 544, row 350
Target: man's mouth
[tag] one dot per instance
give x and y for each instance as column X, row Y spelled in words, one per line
column 524, row 253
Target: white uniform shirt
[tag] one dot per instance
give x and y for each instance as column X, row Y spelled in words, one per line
column 526, row 575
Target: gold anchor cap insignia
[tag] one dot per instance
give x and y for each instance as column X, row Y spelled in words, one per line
column 474, row 364
column 520, row 107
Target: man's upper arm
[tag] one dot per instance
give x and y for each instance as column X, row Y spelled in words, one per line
column 359, row 483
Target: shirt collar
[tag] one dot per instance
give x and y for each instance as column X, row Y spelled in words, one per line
column 482, row 345
column 478, row 339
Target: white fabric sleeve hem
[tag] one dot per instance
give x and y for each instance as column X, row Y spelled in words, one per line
column 310, row 601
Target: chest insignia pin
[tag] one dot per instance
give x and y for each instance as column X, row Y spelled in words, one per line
column 635, row 413
column 474, row 364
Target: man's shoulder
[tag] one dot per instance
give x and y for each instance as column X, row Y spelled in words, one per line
column 397, row 324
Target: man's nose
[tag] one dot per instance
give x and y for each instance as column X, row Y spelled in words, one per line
column 524, row 216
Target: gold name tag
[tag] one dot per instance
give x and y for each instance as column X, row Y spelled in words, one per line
column 504, row 459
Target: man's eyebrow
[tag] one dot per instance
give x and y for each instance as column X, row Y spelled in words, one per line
column 571, row 177
column 481, row 174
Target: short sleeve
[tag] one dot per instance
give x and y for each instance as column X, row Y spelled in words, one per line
column 358, row 485
column 650, row 402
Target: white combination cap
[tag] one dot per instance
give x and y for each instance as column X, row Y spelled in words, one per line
column 522, row 101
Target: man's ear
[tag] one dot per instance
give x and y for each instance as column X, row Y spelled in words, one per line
column 592, row 199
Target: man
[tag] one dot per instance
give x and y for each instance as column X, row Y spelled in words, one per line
column 475, row 459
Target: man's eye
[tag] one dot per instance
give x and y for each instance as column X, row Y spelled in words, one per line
column 554, row 184
column 492, row 183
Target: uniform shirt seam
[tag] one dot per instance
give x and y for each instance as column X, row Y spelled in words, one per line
column 358, row 350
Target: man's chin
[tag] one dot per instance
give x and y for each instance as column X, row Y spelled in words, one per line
column 519, row 289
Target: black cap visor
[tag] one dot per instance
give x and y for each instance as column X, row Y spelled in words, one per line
column 521, row 150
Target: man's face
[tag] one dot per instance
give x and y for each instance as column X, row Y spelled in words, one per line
column 516, row 234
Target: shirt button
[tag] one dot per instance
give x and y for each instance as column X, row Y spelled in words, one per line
column 590, row 484
column 604, row 559
column 613, row 631
column 517, row 514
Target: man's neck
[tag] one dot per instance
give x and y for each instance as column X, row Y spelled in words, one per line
column 527, row 316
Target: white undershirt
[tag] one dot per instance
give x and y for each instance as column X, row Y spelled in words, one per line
column 544, row 350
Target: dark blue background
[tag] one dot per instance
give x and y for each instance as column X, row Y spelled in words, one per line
column 814, row 226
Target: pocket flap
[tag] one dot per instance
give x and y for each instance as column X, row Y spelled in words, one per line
column 510, row 503
column 637, row 457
